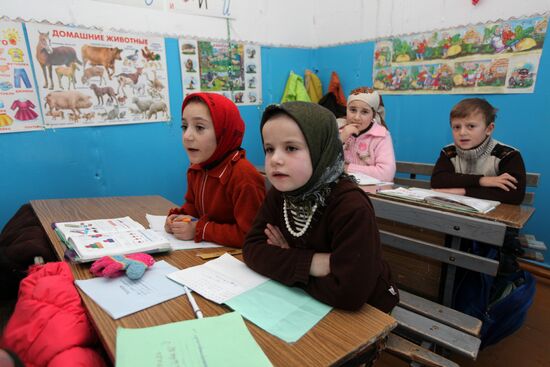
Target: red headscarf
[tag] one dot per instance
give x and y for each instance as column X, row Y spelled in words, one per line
column 228, row 124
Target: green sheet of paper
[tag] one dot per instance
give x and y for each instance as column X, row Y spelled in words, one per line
column 286, row 312
column 213, row 341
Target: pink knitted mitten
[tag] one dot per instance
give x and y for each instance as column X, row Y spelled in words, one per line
column 134, row 265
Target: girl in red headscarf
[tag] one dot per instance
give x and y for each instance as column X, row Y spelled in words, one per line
column 224, row 190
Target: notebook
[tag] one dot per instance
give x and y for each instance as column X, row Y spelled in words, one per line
column 444, row 200
column 90, row 240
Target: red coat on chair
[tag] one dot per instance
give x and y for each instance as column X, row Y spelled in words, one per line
column 49, row 326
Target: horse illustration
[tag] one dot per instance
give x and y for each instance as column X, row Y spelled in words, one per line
column 48, row 56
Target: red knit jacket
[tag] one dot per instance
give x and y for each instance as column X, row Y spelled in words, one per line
column 225, row 199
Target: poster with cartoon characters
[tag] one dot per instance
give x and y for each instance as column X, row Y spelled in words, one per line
column 490, row 58
column 92, row 78
column 19, row 108
column 235, row 72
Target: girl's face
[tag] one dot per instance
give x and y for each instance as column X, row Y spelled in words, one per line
column 360, row 114
column 287, row 160
column 470, row 131
column 199, row 137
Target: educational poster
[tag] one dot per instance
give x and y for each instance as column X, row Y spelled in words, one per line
column 490, row 58
column 19, row 108
column 232, row 71
column 93, row 78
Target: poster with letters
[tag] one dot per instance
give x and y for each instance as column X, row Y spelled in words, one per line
column 88, row 77
column 19, row 108
column 235, row 72
column 498, row 57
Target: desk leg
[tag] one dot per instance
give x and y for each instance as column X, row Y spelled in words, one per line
column 450, row 276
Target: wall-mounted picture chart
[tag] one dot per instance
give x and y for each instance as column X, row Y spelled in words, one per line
column 19, row 110
column 91, row 78
column 489, row 58
column 235, row 72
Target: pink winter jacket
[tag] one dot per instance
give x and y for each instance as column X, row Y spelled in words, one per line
column 49, row 326
column 371, row 153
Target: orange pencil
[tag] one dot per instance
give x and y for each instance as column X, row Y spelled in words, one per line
column 186, row 220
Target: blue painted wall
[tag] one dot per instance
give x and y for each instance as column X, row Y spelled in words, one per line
column 149, row 159
column 420, row 123
column 139, row 159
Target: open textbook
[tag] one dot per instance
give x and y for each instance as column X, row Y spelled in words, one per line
column 444, row 200
column 89, row 240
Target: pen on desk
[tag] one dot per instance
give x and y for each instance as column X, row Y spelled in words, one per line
column 193, row 303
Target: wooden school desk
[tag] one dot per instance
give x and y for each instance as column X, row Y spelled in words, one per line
column 338, row 337
column 488, row 228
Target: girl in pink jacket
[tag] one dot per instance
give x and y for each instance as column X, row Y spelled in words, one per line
column 368, row 147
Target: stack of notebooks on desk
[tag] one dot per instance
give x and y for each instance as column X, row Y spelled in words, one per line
column 92, row 239
column 443, row 200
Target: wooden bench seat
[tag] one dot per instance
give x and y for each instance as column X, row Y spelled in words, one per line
column 437, row 312
column 441, row 334
column 415, row 353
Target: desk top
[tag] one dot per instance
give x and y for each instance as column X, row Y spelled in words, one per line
column 336, row 338
column 514, row 216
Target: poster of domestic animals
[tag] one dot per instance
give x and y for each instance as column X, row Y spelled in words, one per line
column 93, row 78
column 231, row 69
column 19, row 107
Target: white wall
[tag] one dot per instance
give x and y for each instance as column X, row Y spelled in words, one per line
column 299, row 23
column 260, row 21
column 359, row 20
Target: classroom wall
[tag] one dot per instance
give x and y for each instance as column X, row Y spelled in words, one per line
column 351, row 21
column 145, row 159
column 137, row 159
column 419, row 124
column 261, row 21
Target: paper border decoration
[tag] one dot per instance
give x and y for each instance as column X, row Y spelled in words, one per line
column 214, row 67
column 98, row 78
column 19, row 107
column 498, row 57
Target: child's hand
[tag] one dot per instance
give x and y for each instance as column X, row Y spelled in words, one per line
column 504, row 182
column 275, row 237
column 347, row 131
column 183, row 227
column 320, row 265
column 168, row 223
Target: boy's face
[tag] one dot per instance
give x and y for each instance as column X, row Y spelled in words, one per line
column 360, row 114
column 199, row 137
column 287, row 160
column 470, row 131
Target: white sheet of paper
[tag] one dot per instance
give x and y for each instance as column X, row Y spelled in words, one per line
column 156, row 223
column 219, row 280
column 368, row 180
column 122, row 296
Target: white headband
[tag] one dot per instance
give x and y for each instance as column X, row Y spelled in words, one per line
column 373, row 100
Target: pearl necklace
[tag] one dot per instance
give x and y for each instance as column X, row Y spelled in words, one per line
column 305, row 226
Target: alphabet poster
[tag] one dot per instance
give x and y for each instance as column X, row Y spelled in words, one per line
column 19, row 110
column 93, row 78
column 235, row 72
column 490, row 58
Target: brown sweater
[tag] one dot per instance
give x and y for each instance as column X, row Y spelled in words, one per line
column 345, row 228
column 505, row 159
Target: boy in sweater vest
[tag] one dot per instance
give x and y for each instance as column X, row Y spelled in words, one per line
column 476, row 165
